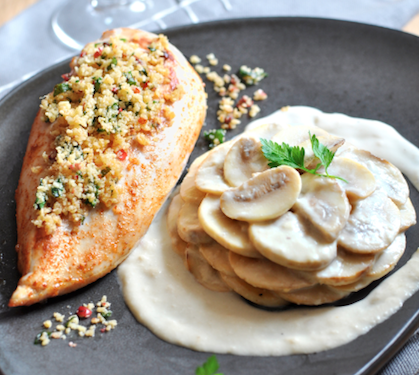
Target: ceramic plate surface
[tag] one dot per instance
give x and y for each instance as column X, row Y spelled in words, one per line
column 336, row 66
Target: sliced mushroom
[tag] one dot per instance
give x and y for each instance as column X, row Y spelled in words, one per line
column 262, row 273
column 314, row 296
column 210, row 175
column 388, row 258
column 360, row 180
column 407, row 215
column 178, row 244
column 188, row 189
column 372, row 226
column 324, row 203
column 259, row 296
column 286, row 241
column 267, row 131
column 202, row 271
column 332, row 142
column 346, row 268
column 386, row 174
column 295, row 135
column 244, row 158
column 265, row 196
column 218, row 257
column 384, row 263
column 189, row 227
column 231, row 234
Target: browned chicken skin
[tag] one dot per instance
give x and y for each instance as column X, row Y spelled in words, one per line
column 76, row 255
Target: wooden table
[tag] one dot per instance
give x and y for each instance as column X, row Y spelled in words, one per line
column 11, row 8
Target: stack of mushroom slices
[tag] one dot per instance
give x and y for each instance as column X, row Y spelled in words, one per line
column 275, row 236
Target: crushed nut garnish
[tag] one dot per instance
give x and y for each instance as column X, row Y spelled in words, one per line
column 94, row 116
column 194, row 59
column 73, row 323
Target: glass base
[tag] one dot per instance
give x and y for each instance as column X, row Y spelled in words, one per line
column 78, row 22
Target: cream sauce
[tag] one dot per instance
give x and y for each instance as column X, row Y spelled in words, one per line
column 165, row 297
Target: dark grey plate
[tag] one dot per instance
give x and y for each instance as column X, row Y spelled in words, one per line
column 356, row 69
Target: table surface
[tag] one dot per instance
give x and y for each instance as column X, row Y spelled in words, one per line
column 26, row 25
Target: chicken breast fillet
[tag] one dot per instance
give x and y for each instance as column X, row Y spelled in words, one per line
column 74, row 255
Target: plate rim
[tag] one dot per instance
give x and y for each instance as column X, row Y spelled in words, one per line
column 388, row 352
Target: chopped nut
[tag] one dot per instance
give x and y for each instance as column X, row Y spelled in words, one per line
column 47, row 324
column 226, row 67
column 72, row 344
column 56, row 335
column 213, row 62
column 199, row 68
column 194, row 59
column 206, row 70
column 58, row 317
column 254, row 110
column 36, row 170
column 91, row 306
column 259, row 95
column 60, row 327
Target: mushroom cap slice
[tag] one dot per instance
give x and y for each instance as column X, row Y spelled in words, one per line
column 384, row 263
column 346, row 268
column 188, row 189
column 202, row 271
column 243, row 159
column 372, row 226
column 360, row 180
column 324, row 203
column 178, row 244
column 210, row 174
column 266, row 131
column 266, row 196
column 314, row 296
column 288, row 242
column 258, row 296
column 188, row 226
column 294, row 135
column 332, row 142
column 231, row 234
column 388, row 258
column 407, row 215
column 386, row 174
column 262, row 273
column 218, row 257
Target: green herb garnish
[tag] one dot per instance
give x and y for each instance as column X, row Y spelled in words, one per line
column 105, row 171
column 215, row 137
column 152, row 49
column 106, row 314
column 114, row 62
column 40, row 198
column 37, row 340
column 123, row 39
column 70, row 319
column 294, row 156
column 209, row 367
column 251, row 76
column 61, row 87
column 97, row 82
column 57, row 188
column 130, row 78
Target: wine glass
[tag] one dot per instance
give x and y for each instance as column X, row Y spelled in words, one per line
column 78, row 22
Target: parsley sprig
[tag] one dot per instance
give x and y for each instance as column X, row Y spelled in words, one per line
column 210, row 367
column 294, row 156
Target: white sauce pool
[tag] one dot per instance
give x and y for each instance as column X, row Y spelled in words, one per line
column 165, row 297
